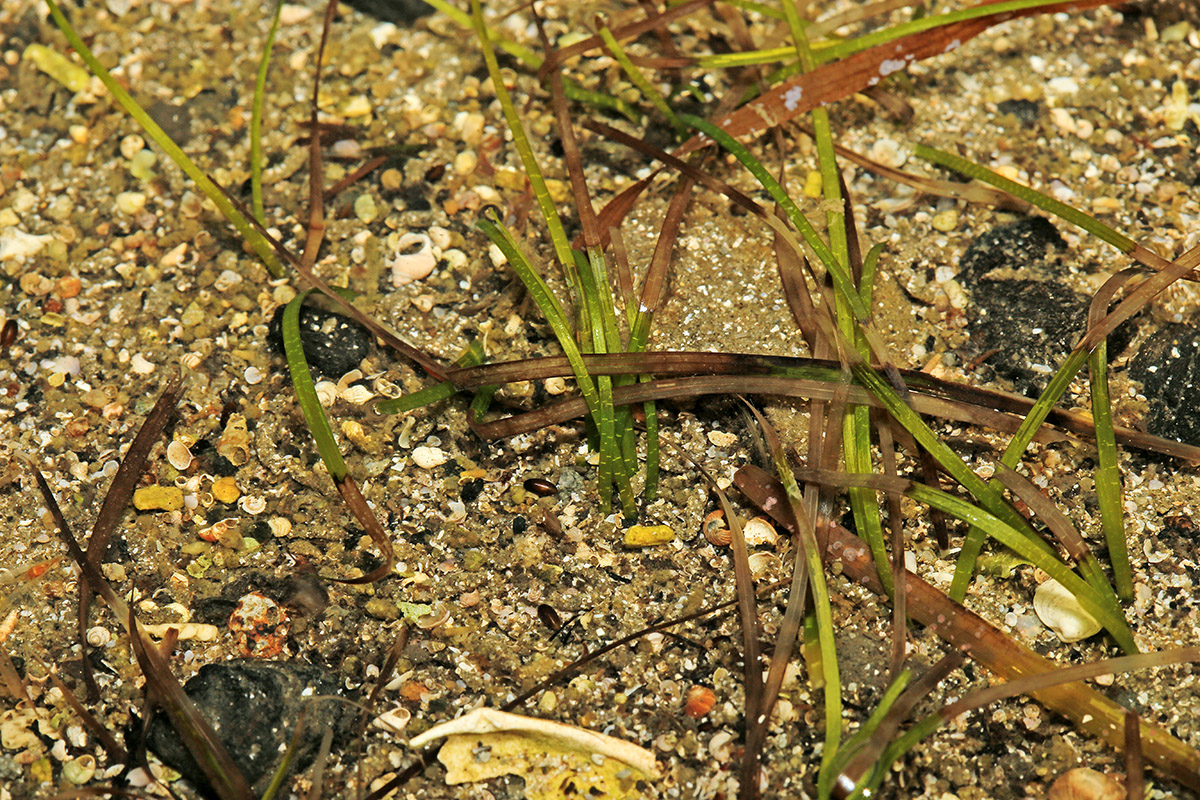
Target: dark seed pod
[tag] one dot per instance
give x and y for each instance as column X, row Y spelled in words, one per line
column 9, row 335
column 540, row 486
column 549, row 616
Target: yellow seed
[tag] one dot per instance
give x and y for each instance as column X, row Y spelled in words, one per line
column 226, row 490
column 158, row 498
column 648, row 535
column 58, row 67
column 812, row 184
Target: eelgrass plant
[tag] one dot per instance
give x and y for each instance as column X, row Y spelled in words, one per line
column 604, row 339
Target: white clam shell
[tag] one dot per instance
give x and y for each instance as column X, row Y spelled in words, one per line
column 1059, row 611
column 409, row 267
column 179, row 456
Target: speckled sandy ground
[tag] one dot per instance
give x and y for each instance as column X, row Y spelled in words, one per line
column 137, row 275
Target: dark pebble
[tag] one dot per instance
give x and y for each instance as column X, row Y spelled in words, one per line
column 253, row 707
column 1023, row 243
column 333, row 344
column 398, row 12
column 1168, row 367
column 1032, row 325
column 470, row 490
column 1026, row 111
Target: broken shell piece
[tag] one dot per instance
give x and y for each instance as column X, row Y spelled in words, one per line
column 393, row 721
column 1059, row 611
column 327, row 392
column 357, row 394
column 483, row 721
column 429, row 457
column 761, row 562
column 759, row 531
column 1082, row 783
column 16, row 243
column 198, row 631
column 412, row 266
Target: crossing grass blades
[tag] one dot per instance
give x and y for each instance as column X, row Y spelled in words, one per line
column 863, row 408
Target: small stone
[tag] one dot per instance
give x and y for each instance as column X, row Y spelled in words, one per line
column 945, row 221
column 225, row 490
column 158, row 498
column 648, row 535
column 141, row 166
column 357, row 106
column 365, row 208
column 131, row 202
column 383, row 609
column 131, row 145
column 292, row 14
column 465, row 162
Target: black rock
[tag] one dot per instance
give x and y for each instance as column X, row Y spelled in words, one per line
column 1026, row 111
column 1032, row 326
column 1168, row 367
column 1023, row 243
column 333, row 344
column 253, row 706
column 398, row 12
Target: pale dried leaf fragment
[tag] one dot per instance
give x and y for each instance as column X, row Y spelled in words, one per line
column 556, row 760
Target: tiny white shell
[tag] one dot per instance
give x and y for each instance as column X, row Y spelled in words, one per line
column 79, row 770
column 429, row 457
column 326, row 392
column 1059, row 611
column 253, row 375
column 357, row 394
column 759, row 531
column 394, row 720
column 252, row 504
column 98, row 636
column 280, row 526
column 555, row 386
column 409, row 267
column 179, row 456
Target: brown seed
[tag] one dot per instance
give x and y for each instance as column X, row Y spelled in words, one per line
column 699, row 701
column 540, row 486
column 8, row 335
column 552, row 524
column 549, row 616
